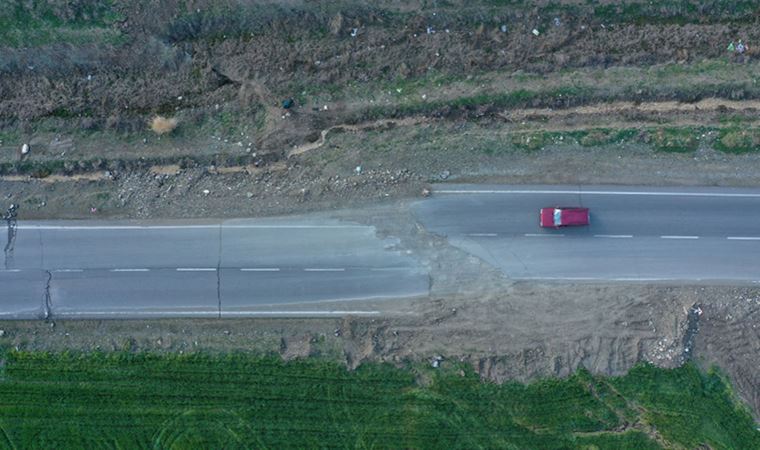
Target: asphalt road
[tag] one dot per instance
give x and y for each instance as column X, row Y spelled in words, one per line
column 236, row 267
column 636, row 234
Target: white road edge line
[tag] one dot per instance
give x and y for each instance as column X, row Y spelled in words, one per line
column 336, row 269
column 614, row 236
column 575, row 192
column 679, row 237
column 177, row 227
column 743, row 238
column 542, row 235
column 129, row 270
column 215, row 313
column 196, row 269
column 260, row 269
column 10, row 270
column 482, row 234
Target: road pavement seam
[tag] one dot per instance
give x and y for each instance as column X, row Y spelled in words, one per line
column 679, row 237
column 573, row 192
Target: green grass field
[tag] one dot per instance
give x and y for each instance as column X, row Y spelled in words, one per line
column 124, row 400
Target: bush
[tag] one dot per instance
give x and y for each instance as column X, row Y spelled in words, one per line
column 162, row 125
column 675, row 140
column 738, row 141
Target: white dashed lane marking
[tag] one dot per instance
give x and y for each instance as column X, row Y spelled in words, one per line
column 129, row 270
column 196, row 269
column 743, row 238
column 483, row 234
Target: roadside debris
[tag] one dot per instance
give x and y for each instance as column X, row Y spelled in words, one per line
column 503, row 28
column 437, row 361
column 358, row 170
column 25, row 149
column 288, row 103
column 354, row 32
column 536, row 32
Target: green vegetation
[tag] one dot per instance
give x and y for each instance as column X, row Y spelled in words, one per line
column 735, row 140
column 39, row 22
column 128, row 400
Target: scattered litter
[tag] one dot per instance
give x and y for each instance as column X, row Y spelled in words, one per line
column 731, row 47
column 437, row 362
column 503, row 28
column 325, row 108
column 93, row 210
column 89, row 77
column 740, row 47
column 25, row 149
column 288, row 103
column 698, row 310
column 444, row 174
column 358, row 170
column 426, row 192
column 2, row 333
column 424, row 96
column 447, row 30
column 398, row 90
column 336, row 332
column 557, row 22
column 179, row 98
column 206, row 192
column 249, row 194
column 535, row 32
column 354, row 31
column 430, row 30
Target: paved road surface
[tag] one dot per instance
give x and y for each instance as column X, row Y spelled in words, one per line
column 235, row 267
column 636, row 234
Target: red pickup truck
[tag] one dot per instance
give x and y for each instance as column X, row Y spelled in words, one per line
column 563, row 216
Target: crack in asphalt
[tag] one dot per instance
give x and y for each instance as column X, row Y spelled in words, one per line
column 10, row 219
column 47, row 302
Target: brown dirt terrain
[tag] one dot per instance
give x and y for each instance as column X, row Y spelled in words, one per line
column 376, row 118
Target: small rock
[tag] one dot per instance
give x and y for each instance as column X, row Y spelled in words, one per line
column 337, row 332
column 445, row 174
column 503, row 28
column 25, row 149
column 2, row 333
column 249, row 194
column 358, row 170
column 206, row 192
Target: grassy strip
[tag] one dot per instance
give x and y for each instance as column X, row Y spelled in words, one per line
column 130, row 400
column 37, row 22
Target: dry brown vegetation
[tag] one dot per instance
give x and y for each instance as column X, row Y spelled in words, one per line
column 162, row 125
